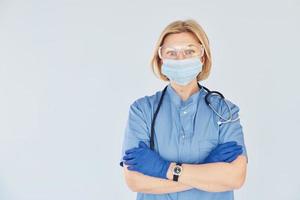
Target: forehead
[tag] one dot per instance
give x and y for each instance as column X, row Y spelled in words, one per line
column 180, row 38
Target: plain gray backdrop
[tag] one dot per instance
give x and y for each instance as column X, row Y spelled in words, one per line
column 70, row 69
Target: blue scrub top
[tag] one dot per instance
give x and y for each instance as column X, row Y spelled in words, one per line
column 185, row 131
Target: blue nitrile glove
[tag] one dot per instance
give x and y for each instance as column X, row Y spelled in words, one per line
column 142, row 159
column 226, row 152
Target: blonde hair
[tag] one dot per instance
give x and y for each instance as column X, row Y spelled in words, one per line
column 180, row 26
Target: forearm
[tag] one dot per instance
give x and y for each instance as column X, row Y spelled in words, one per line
column 213, row 177
column 148, row 184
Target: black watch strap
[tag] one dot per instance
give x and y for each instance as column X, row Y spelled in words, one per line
column 175, row 177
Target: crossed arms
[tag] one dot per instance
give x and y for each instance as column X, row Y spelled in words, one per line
column 210, row 177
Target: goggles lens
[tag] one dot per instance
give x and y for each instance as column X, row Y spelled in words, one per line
column 189, row 51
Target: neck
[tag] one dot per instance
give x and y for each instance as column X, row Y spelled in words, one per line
column 185, row 91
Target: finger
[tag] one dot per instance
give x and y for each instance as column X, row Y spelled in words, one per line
column 143, row 144
column 227, row 144
column 128, row 157
column 130, row 162
column 136, row 149
column 232, row 158
column 228, row 147
column 231, row 149
column 238, row 152
column 131, row 168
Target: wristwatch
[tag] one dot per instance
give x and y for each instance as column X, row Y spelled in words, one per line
column 177, row 169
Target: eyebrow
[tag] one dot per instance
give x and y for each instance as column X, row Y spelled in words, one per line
column 180, row 45
column 198, row 43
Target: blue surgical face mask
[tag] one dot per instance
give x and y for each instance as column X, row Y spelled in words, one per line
column 182, row 71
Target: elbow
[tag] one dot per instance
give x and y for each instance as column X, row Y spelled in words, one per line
column 132, row 185
column 131, row 179
column 239, row 179
column 238, row 182
column 239, row 172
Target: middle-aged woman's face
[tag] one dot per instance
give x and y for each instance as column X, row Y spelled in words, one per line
column 181, row 38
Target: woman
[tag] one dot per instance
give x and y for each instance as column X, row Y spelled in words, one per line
column 195, row 155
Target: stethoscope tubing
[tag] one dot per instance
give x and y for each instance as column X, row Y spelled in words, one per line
column 209, row 93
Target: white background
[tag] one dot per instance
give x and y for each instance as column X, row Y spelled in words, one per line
column 70, row 69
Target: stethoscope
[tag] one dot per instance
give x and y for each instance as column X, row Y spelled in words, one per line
column 207, row 97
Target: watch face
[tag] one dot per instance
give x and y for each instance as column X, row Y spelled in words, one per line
column 177, row 170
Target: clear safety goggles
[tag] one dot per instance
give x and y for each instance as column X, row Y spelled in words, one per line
column 173, row 51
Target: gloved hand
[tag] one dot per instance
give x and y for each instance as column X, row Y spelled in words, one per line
column 226, row 152
column 144, row 160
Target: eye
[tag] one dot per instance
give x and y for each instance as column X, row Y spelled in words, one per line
column 171, row 53
column 189, row 52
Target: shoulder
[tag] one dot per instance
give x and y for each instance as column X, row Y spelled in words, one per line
column 146, row 103
column 144, row 107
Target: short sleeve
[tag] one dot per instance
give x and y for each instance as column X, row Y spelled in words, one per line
column 136, row 129
column 232, row 131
